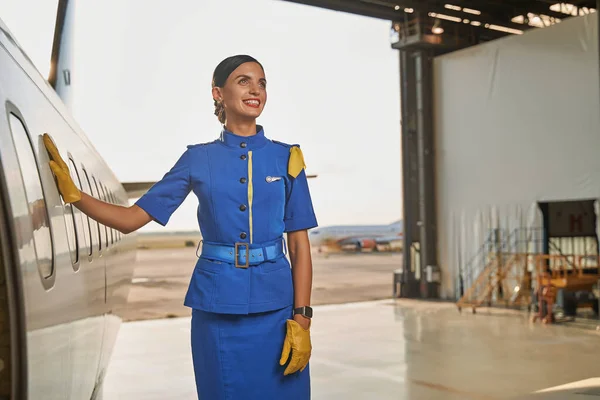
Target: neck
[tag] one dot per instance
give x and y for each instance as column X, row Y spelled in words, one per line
column 241, row 128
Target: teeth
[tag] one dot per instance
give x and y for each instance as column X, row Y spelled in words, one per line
column 253, row 102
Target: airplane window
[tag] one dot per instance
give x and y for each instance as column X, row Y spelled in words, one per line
column 100, row 230
column 38, row 215
column 86, row 244
column 72, row 231
column 112, row 231
column 94, row 229
column 116, row 201
column 111, row 199
column 106, row 200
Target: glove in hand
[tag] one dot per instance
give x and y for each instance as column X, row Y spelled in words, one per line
column 297, row 341
column 66, row 186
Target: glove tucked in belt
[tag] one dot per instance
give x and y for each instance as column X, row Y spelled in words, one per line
column 243, row 254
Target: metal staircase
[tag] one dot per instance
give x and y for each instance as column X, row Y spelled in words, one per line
column 499, row 273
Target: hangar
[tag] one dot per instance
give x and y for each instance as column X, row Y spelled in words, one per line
column 500, row 140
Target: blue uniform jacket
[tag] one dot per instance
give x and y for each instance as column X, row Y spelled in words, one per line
column 245, row 195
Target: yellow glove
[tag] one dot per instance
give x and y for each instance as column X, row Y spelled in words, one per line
column 296, row 161
column 66, row 186
column 297, row 340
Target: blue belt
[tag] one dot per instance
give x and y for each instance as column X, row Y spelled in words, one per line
column 243, row 254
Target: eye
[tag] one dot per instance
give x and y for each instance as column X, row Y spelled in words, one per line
column 243, row 81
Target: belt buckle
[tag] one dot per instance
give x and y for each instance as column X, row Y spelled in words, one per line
column 247, row 264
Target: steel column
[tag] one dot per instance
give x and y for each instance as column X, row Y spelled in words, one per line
column 418, row 174
column 426, row 157
column 410, row 285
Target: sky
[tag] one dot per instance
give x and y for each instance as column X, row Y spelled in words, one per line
column 141, row 90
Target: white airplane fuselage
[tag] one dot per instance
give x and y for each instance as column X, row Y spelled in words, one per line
column 61, row 274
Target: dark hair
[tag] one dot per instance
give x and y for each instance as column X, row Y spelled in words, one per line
column 222, row 72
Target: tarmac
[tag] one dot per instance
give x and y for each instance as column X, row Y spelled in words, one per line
column 161, row 278
column 388, row 349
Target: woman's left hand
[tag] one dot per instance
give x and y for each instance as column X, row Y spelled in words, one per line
column 297, row 341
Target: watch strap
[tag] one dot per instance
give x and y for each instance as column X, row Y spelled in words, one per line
column 305, row 311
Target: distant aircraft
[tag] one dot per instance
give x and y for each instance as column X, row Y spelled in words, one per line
column 357, row 236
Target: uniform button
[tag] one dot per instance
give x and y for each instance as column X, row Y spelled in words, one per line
column 243, row 145
column 242, row 180
column 242, row 207
column 243, row 156
column 243, row 235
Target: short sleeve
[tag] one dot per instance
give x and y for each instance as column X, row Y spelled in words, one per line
column 299, row 212
column 166, row 195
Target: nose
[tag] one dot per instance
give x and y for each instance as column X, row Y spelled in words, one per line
column 255, row 88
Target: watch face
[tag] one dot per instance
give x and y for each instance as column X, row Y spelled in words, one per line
column 305, row 311
column 308, row 312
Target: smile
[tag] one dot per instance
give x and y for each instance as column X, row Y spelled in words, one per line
column 252, row 103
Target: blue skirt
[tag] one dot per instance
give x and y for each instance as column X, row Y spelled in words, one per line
column 236, row 357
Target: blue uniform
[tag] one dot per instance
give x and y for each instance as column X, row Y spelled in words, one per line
column 241, row 290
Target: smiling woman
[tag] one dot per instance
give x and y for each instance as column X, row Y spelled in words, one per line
column 250, row 328
column 242, row 95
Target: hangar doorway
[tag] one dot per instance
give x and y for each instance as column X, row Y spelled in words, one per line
column 570, row 227
column 570, row 234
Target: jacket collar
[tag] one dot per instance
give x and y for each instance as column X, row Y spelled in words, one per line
column 230, row 139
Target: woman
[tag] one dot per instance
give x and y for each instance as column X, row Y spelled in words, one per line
column 250, row 333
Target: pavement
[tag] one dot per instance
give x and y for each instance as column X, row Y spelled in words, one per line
column 388, row 349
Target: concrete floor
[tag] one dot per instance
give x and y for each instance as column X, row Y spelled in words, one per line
column 390, row 349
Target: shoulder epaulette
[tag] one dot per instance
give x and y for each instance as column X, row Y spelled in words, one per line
column 284, row 144
column 190, row 146
column 296, row 160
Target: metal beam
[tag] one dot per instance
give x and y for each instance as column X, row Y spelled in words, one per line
column 485, row 17
column 539, row 8
column 354, row 7
column 497, row 12
column 386, row 10
column 510, row 10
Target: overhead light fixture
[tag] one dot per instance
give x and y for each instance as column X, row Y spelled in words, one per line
column 409, row 10
column 519, row 19
column 565, row 8
column 504, row 29
column 444, row 16
column 437, row 28
column 397, row 8
column 452, row 7
column 471, row 11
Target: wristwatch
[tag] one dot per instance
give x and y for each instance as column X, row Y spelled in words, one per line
column 305, row 311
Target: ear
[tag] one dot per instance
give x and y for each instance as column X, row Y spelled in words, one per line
column 216, row 94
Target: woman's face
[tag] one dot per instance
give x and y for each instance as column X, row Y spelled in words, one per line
column 245, row 92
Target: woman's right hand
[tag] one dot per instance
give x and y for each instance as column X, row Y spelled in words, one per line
column 69, row 192
column 124, row 219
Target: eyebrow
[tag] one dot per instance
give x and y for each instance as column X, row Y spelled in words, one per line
column 246, row 76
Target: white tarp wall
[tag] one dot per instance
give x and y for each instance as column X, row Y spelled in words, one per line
column 517, row 121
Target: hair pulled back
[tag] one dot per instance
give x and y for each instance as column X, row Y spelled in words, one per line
column 222, row 72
